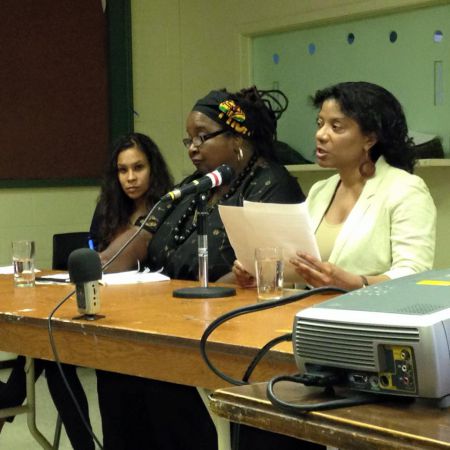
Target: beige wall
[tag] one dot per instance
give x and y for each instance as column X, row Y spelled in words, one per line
column 438, row 181
column 39, row 213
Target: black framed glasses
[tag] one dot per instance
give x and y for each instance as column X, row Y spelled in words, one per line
column 198, row 140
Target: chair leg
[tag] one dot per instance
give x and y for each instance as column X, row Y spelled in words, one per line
column 57, row 435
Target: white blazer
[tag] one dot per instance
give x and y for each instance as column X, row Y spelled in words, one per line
column 391, row 230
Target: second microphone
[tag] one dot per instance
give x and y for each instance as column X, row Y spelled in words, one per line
column 222, row 175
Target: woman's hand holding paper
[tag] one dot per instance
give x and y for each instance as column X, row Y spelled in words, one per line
column 318, row 273
column 243, row 278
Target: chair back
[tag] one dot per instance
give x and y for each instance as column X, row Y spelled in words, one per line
column 64, row 244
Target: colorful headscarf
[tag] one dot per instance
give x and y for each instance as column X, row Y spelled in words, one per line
column 225, row 110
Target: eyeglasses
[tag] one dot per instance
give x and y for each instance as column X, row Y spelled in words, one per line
column 198, row 140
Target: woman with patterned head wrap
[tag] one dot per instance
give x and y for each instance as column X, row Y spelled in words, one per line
column 223, row 128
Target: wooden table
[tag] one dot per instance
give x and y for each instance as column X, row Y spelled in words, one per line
column 147, row 332
column 394, row 424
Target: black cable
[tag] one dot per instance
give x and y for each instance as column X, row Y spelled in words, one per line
column 248, row 309
column 262, row 352
column 61, row 371
column 357, row 399
column 236, row 430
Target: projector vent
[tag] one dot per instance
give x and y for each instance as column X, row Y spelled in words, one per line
column 420, row 308
column 345, row 345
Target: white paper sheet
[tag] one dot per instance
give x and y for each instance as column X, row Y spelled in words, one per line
column 6, row 270
column 269, row 225
column 133, row 277
column 56, row 278
column 9, row 270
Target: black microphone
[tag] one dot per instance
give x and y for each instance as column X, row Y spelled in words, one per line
column 85, row 269
column 222, row 175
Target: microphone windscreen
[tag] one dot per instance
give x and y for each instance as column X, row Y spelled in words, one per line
column 84, row 265
column 226, row 172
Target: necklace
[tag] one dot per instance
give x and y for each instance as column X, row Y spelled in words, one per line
column 181, row 235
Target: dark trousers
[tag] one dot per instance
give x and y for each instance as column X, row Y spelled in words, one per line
column 13, row 393
column 142, row 414
column 123, row 413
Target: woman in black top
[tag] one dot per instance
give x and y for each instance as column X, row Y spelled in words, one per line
column 136, row 177
column 174, row 246
column 224, row 128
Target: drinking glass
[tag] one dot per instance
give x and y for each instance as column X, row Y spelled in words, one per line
column 269, row 272
column 23, row 263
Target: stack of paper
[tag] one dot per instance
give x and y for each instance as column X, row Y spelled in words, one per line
column 269, row 225
column 133, row 277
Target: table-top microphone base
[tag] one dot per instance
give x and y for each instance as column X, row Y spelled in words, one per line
column 204, row 292
column 89, row 317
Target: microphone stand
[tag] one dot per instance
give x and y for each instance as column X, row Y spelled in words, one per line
column 203, row 291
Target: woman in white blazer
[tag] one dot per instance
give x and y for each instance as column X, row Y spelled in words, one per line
column 374, row 220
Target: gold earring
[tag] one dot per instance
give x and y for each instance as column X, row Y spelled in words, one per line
column 240, row 154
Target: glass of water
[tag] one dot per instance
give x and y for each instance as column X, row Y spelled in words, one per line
column 23, row 262
column 269, row 273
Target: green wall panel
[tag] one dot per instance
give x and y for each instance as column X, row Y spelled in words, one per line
column 405, row 67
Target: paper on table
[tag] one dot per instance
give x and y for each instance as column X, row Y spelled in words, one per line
column 133, row 277
column 269, row 225
column 6, row 270
column 56, row 278
column 9, row 270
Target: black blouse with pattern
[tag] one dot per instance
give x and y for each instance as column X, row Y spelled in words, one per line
column 265, row 182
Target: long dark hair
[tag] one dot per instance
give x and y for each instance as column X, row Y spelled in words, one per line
column 377, row 111
column 114, row 206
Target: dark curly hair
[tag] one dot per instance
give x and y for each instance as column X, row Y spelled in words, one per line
column 377, row 111
column 114, row 206
column 263, row 108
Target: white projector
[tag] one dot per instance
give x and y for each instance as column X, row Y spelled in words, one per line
column 390, row 338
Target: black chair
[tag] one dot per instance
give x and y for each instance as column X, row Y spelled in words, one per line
column 63, row 246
